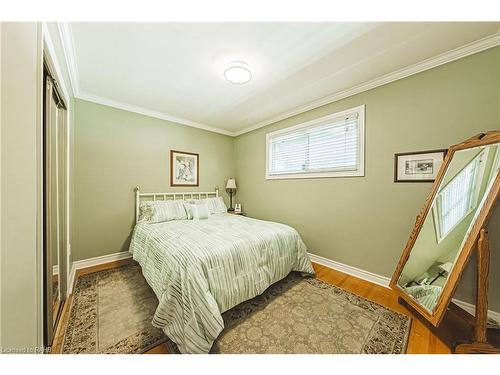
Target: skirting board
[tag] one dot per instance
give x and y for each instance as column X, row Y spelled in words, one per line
column 471, row 309
column 85, row 263
column 350, row 270
column 384, row 281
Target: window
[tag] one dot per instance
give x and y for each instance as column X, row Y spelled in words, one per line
column 331, row 146
column 458, row 198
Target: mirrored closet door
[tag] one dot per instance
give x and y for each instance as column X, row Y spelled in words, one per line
column 55, row 194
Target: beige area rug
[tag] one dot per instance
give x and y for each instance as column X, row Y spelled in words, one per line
column 112, row 312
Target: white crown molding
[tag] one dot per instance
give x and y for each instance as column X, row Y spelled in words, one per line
column 148, row 112
column 444, row 58
column 384, row 281
column 66, row 35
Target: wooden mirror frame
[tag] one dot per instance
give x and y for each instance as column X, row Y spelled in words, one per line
column 436, row 316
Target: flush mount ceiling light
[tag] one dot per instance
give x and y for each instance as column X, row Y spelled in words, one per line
column 238, row 73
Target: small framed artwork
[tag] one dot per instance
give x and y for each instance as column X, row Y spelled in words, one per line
column 184, row 168
column 422, row 166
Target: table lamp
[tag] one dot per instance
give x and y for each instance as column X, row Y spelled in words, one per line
column 231, row 189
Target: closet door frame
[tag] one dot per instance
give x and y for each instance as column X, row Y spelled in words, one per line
column 49, row 171
column 47, row 57
column 63, row 149
column 55, row 206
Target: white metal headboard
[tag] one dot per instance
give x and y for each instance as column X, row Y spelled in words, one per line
column 170, row 196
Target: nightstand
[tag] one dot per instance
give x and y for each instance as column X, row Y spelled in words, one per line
column 237, row 213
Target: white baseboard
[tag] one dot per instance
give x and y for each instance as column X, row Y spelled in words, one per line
column 471, row 309
column 350, row 270
column 85, row 263
column 384, row 281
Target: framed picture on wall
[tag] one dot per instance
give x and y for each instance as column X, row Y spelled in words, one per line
column 421, row 166
column 184, row 168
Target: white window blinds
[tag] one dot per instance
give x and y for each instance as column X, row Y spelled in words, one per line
column 327, row 146
column 456, row 200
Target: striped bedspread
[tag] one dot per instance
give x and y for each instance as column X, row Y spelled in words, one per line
column 426, row 295
column 199, row 269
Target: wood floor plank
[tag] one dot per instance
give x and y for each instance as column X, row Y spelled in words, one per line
column 421, row 341
column 160, row 349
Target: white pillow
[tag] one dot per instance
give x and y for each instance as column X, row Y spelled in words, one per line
column 199, row 211
column 187, row 205
column 216, row 205
column 159, row 211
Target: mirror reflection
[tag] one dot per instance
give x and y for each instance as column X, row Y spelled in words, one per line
column 459, row 199
column 56, row 285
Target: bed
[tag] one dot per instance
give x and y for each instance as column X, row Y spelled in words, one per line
column 199, row 269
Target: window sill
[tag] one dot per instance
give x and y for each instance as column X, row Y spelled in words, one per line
column 316, row 175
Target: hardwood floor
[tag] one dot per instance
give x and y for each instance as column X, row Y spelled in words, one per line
column 422, row 339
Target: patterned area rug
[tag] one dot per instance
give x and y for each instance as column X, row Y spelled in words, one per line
column 112, row 311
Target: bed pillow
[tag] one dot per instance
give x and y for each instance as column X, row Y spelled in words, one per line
column 187, row 205
column 160, row 211
column 216, row 205
column 199, row 211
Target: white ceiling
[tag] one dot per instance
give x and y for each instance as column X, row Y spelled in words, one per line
column 175, row 70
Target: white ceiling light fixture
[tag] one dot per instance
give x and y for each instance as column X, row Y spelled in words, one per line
column 238, row 73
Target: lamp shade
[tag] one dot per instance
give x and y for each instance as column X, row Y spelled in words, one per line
column 231, row 184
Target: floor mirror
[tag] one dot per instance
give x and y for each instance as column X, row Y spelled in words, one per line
column 451, row 225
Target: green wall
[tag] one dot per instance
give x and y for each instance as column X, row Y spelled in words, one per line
column 115, row 150
column 365, row 221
